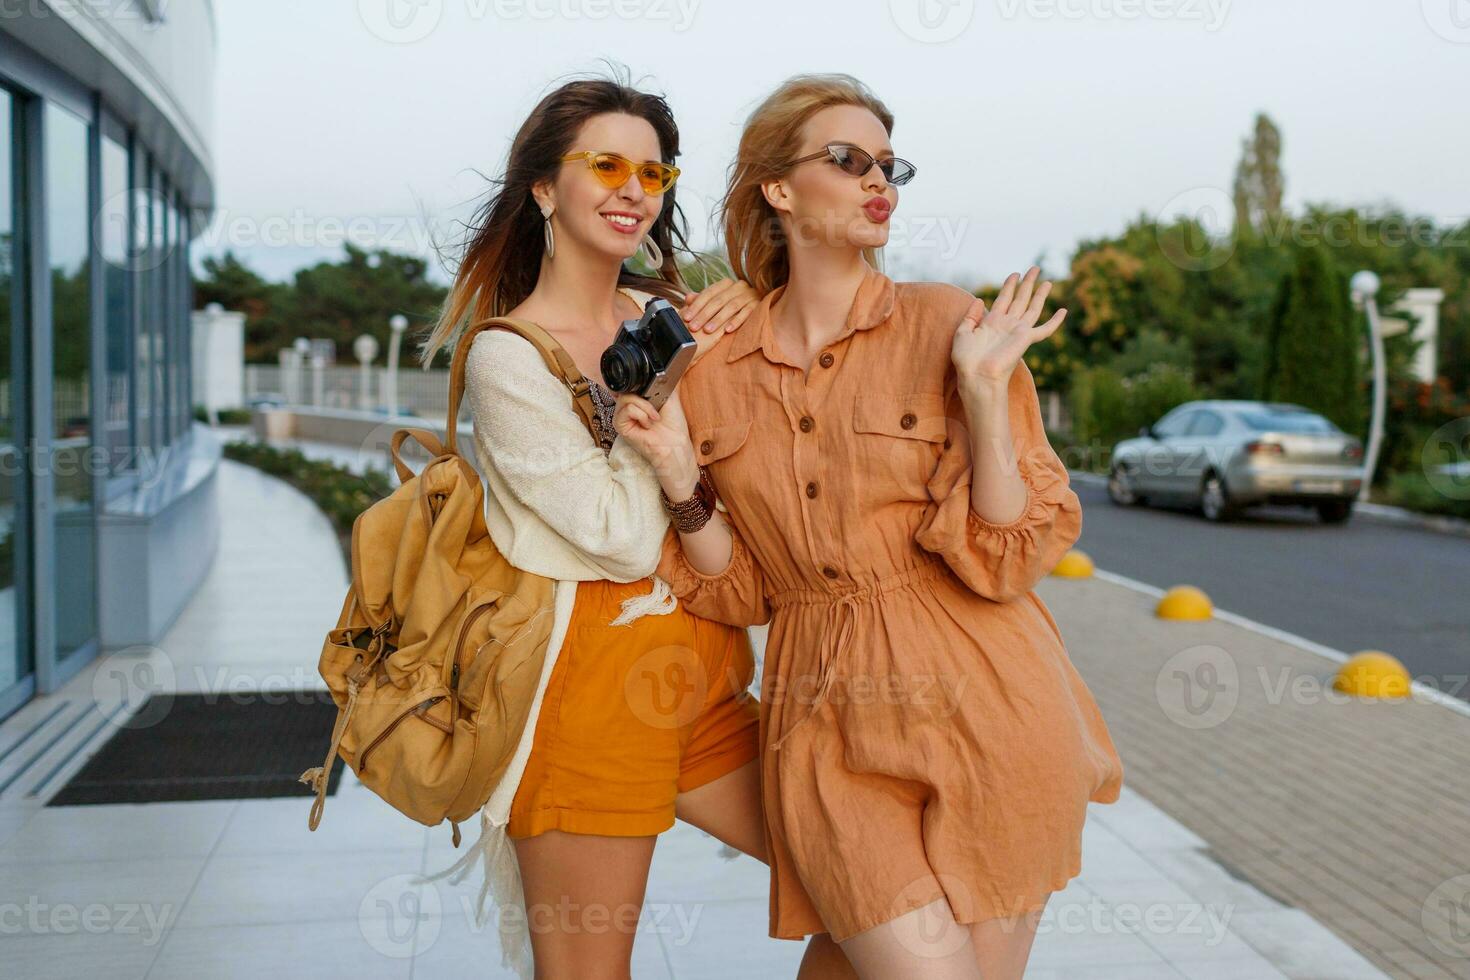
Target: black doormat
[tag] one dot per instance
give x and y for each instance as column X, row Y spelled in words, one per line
column 210, row 747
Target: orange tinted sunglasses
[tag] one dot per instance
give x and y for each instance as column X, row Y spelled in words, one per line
column 614, row 170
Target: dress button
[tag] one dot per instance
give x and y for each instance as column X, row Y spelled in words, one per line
column 826, row 359
column 706, row 447
column 811, row 489
column 908, row 420
column 829, row 571
column 807, row 423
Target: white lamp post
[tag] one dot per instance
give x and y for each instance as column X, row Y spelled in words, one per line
column 301, row 349
column 397, row 324
column 318, row 379
column 1365, row 291
column 365, row 349
column 206, row 336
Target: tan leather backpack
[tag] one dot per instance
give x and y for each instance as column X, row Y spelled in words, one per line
column 438, row 650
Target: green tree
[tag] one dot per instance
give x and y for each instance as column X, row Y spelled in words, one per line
column 340, row 300
column 1258, row 178
column 360, row 294
column 267, row 305
column 1311, row 347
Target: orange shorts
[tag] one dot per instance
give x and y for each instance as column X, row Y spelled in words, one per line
column 634, row 715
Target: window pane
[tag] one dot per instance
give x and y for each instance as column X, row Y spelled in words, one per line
column 1206, row 424
column 157, row 249
column 112, row 240
column 181, row 302
column 67, row 242
column 1176, row 424
column 166, row 320
column 15, row 660
column 145, row 445
column 1286, row 420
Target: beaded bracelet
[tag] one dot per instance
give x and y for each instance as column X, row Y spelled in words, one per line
column 692, row 514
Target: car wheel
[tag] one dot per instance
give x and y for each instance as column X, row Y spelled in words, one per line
column 1120, row 488
column 1214, row 500
column 1334, row 511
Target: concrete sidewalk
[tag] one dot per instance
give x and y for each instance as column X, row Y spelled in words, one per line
column 240, row 888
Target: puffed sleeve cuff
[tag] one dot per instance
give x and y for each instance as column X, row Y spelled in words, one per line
column 1005, row 561
column 734, row 595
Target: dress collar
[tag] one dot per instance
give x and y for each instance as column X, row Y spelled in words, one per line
column 871, row 305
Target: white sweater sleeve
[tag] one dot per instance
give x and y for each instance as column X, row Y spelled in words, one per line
column 607, row 506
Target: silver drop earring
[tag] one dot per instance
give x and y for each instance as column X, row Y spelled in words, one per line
column 652, row 254
column 547, row 236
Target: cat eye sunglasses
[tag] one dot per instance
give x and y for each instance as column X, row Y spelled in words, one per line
column 614, row 170
column 857, row 161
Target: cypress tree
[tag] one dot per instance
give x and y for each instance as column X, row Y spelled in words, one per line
column 1311, row 346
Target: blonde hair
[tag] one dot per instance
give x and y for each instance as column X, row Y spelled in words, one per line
column 754, row 241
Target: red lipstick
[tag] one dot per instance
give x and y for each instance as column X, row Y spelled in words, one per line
column 877, row 209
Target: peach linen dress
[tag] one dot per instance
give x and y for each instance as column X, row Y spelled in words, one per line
column 924, row 732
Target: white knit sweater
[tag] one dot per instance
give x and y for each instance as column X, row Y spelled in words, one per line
column 556, row 505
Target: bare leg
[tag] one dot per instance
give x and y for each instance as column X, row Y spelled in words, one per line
column 584, row 896
column 1002, row 946
column 729, row 809
column 925, row 944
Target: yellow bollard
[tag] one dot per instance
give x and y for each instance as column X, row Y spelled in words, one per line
column 1184, row 602
column 1074, row 564
column 1373, row 674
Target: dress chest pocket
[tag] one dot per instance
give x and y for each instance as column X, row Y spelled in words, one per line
column 899, row 437
column 715, row 444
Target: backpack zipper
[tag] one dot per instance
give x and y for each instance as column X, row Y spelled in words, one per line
column 425, row 705
column 417, row 709
column 459, row 644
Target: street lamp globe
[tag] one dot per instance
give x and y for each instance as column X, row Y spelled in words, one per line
column 1364, row 284
column 365, row 348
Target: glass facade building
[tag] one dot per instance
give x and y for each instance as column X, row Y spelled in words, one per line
column 107, row 515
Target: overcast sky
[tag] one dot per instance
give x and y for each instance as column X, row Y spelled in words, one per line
column 1033, row 123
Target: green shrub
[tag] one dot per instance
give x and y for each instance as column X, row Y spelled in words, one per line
column 1413, row 491
column 1107, row 408
column 1099, row 407
column 227, row 416
column 1155, row 391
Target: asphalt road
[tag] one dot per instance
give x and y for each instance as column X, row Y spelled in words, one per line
column 1356, row 586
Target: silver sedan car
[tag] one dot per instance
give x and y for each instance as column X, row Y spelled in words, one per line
column 1223, row 456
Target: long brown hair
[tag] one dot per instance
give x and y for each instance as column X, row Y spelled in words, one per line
column 502, row 255
column 769, row 142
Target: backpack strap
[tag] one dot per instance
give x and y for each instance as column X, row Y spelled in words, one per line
column 558, row 362
column 423, row 437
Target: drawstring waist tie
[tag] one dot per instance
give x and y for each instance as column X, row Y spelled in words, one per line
column 842, row 609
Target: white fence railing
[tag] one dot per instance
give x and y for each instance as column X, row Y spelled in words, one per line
column 420, row 392
column 426, row 393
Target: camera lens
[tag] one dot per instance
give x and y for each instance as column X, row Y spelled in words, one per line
column 625, row 368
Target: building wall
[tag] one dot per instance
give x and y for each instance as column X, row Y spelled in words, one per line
column 106, row 174
column 156, row 72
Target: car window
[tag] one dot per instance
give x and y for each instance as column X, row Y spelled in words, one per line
column 1174, row 425
column 1266, row 420
column 1205, row 424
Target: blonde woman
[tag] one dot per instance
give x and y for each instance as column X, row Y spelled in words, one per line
column 929, row 750
column 606, row 764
